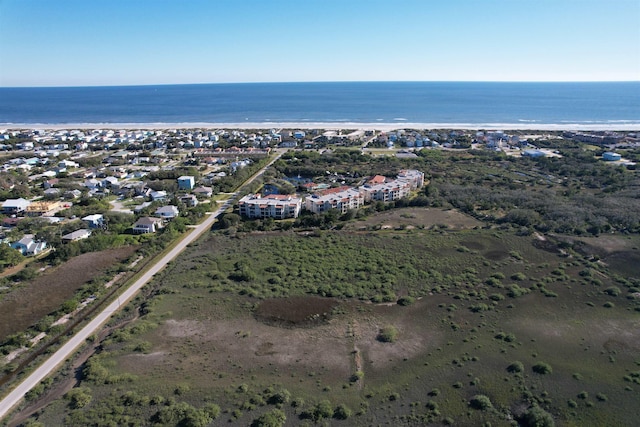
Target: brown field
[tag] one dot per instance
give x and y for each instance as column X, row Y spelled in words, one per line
column 295, row 311
column 43, row 295
column 417, row 217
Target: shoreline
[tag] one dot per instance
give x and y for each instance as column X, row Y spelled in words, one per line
column 623, row 127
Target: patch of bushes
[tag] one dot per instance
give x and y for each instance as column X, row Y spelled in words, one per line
column 388, row 334
column 480, row 402
column 515, row 367
column 542, row 368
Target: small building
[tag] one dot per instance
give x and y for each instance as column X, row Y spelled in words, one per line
column 94, row 221
column 167, row 212
column 14, row 206
column 186, row 183
column 76, row 235
column 611, row 156
column 146, row 225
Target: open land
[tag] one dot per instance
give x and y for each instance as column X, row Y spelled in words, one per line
column 505, row 291
column 484, row 301
column 43, row 295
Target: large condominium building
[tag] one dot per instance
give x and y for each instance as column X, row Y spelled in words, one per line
column 389, row 191
column 278, row 206
column 415, row 177
column 342, row 199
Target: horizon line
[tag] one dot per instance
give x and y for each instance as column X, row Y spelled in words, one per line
column 312, row 82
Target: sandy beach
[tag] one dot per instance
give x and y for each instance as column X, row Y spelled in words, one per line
column 333, row 126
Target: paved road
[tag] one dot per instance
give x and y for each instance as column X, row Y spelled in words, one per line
column 53, row 362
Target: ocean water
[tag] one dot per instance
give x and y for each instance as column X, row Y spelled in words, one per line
column 339, row 102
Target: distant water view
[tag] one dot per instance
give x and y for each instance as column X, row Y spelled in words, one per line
column 516, row 104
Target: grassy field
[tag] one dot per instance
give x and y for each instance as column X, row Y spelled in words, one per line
column 408, row 324
column 26, row 305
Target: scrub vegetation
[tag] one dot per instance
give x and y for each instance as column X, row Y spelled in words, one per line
column 434, row 312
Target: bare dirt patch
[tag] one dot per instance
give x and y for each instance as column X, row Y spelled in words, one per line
column 295, row 311
column 417, row 217
column 43, row 295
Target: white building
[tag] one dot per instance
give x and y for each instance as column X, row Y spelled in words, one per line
column 278, row 206
column 342, row 199
column 386, row 192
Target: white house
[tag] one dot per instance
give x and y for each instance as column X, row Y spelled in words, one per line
column 147, row 225
column 14, row 206
column 29, row 246
column 76, row 235
column 94, row 221
column 167, row 212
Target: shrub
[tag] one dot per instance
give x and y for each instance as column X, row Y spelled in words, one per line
column 542, row 368
column 614, row 291
column 537, row 417
column 273, row 418
column 322, row 410
column 481, row 402
column 342, row 412
column 406, row 300
column 515, row 367
column 388, row 333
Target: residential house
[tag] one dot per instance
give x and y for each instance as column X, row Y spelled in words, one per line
column 167, row 212
column 14, row 206
column 190, row 200
column 94, row 221
column 76, row 235
column 278, row 206
column 158, row 196
column 28, row 246
column 203, row 191
column 147, row 225
column 186, row 183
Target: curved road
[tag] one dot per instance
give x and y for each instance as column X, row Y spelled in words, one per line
column 52, row 363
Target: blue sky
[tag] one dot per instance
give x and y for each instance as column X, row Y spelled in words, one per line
column 122, row 42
